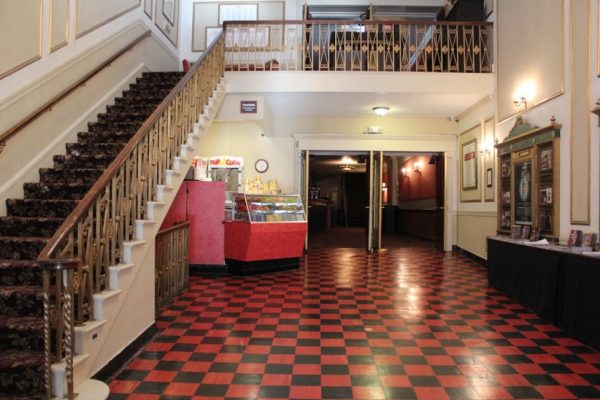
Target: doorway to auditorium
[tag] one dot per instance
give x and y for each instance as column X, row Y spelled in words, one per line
column 374, row 199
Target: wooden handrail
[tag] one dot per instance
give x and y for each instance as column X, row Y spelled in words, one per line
column 173, row 228
column 59, row 97
column 357, row 22
column 87, row 200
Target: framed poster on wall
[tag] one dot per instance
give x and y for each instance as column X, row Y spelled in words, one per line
column 238, row 12
column 469, row 165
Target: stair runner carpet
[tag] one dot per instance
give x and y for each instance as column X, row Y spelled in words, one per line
column 31, row 221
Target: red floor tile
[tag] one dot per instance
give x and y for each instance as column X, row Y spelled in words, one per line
column 407, row 323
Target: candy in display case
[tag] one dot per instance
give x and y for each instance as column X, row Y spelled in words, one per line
column 267, row 208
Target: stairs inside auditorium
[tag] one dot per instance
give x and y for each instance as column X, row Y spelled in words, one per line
column 31, row 221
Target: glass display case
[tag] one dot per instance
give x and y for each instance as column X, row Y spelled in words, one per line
column 267, row 208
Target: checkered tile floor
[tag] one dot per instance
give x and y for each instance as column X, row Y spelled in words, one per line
column 408, row 323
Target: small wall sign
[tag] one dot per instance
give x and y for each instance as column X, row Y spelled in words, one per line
column 248, row 106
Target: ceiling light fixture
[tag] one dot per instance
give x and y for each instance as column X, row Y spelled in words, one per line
column 347, row 167
column 381, row 110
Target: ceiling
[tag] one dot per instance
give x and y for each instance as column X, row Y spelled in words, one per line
column 361, row 104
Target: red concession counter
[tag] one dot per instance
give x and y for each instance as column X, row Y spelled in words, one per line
column 267, row 232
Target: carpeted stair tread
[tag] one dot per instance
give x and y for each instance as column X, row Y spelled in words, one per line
column 20, row 272
column 123, row 115
column 107, row 126
column 139, row 99
column 40, row 207
column 21, row 301
column 22, row 333
column 118, row 137
column 33, row 220
column 56, row 190
column 29, row 226
column 79, row 176
column 21, row 248
column 82, row 148
column 82, row 161
column 117, row 109
column 21, row 375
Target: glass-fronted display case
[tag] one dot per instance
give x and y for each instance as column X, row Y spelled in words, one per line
column 267, row 208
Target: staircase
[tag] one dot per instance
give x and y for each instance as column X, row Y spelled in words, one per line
column 31, row 221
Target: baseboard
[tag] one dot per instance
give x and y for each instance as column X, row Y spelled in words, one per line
column 468, row 254
column 257, row 267
column 116, row 364
column 208, row 269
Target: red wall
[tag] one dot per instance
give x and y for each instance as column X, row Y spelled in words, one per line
column 417, row 185
column 205, row 205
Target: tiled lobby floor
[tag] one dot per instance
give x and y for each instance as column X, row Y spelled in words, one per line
column 408, row 323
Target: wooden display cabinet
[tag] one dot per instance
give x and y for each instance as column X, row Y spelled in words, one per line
column 528, row 179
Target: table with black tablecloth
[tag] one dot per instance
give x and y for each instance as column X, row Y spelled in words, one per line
column 558, row 285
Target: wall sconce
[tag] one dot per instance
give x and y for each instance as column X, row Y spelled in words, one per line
column 417, row 166
column 381, row 110
column 404, row 171
column 521, row 101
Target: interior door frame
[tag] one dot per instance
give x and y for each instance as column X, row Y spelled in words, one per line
column 375, row 179
column 393, row 144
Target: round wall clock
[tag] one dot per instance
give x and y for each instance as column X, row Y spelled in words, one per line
column 261, row 165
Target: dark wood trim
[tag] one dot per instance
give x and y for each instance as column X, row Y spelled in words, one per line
column 174, row 228
column 355, row 22
column 59, row 97
column 120, row 159
column 468, row 254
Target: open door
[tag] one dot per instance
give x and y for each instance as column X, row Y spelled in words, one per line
column 440, row 185
column 305, row 188
column 374, row 174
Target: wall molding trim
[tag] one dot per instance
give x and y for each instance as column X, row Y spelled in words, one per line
column 121, row 36
column 483, row 214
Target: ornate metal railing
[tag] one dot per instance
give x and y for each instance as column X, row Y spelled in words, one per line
column 171, row 263
column 323, row 45
column 105, row 218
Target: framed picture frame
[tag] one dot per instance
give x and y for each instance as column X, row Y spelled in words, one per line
column 469, row 165
column 238, row 12
column 168, row 10
column 488, row 177
column 211, row 34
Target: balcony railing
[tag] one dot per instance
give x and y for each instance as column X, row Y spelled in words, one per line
column 323, row 45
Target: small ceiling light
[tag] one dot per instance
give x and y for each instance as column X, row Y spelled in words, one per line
column 381, row 110
column 347, row 167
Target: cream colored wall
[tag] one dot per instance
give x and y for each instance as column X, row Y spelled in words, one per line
column 20, row 43
column 561, row 108
column 92, row 13
column 477, row 219
column 34, row 146
column 245, row 139
column 530, row 41
column 59, row 24
column 472, row 229
column 198, row 14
